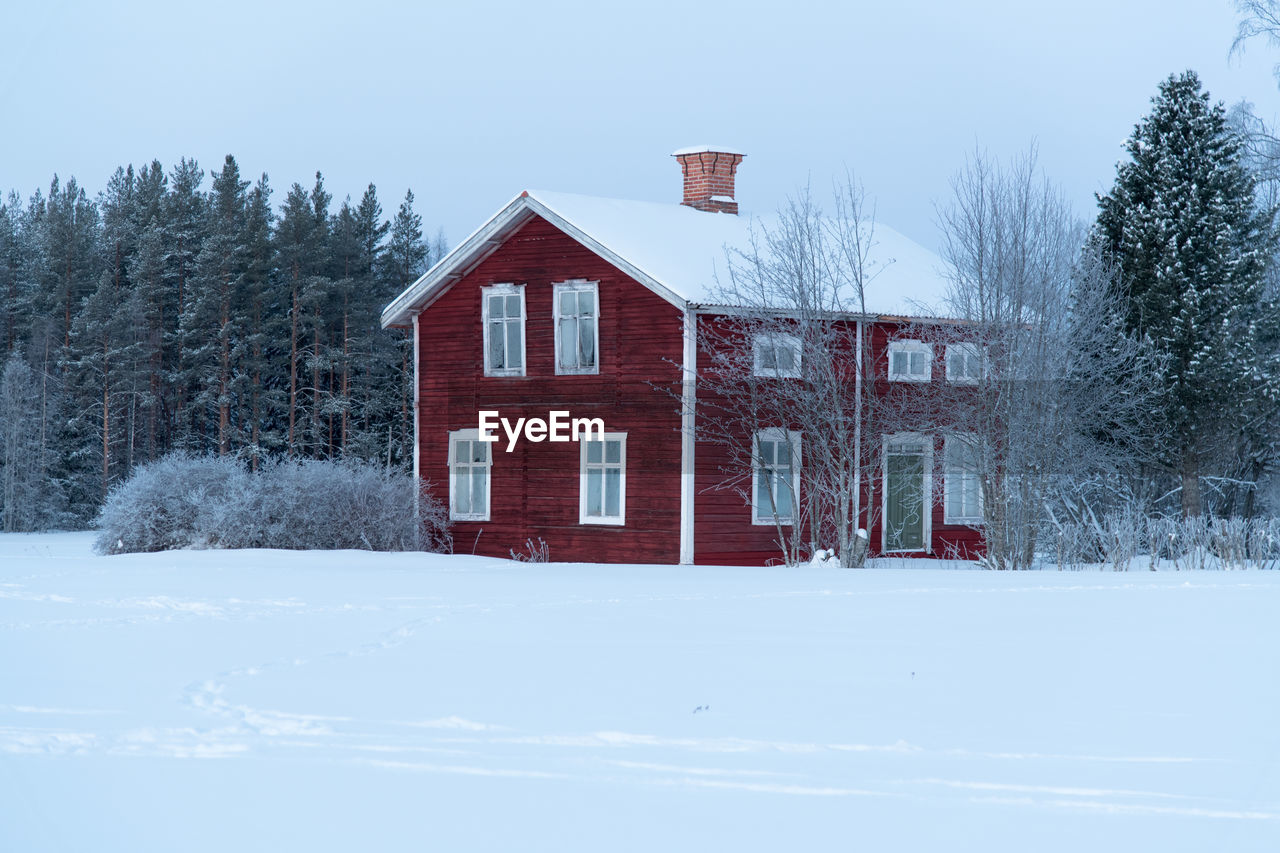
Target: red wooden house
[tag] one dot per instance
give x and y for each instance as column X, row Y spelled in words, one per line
column 586, row 306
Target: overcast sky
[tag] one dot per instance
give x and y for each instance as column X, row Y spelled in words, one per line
column 468, row 103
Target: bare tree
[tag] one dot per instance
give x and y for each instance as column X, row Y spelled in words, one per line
column 790, row 357
column 1044, row 389
column 1258, row 18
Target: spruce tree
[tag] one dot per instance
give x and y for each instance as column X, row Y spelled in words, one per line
column 1192, row 249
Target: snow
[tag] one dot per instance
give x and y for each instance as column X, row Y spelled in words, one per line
column 707, row 149
column 686, row 250
column 253, row 700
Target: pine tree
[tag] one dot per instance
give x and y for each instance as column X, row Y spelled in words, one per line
column 67, row 253
column 14, row 301
column 184, row 227
column 29, row 498
column 299, row 243
column 211, row 317
column 405, row 259
column 257, row 353
column 1193, row 249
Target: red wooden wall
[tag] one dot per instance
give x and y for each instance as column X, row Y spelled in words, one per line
column 534, row 488
column 724, row 532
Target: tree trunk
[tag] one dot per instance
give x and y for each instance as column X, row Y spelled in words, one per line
column 1191, row 505
column 293, row 365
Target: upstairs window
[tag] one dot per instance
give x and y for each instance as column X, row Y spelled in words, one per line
column 963, row 484
column 469, row 466
column 910, row 361
column 577, row 314
column 776, row 355
column 502, row 306
column 964, row 363
column 602, row 493
column 775, row 477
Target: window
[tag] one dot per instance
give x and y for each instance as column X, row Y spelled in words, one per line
column 469, row 465
column 602, row 492
column 577, row 311
column 776, row 355
column 964, row 363
column 503, row 311
column 910, row 361
column 963, row 484
column 775, row 477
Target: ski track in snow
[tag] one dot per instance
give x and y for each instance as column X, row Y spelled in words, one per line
column 225, row 725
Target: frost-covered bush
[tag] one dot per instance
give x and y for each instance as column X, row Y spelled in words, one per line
column 167, row 504
column 183, row 501
column 1124, row 539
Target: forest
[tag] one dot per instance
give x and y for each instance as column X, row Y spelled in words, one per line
column 182, row 310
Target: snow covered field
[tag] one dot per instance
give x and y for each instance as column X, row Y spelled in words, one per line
column 269, row 700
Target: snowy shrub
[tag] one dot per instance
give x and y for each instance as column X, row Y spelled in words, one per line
column 1125, row 538
column 183, row 501
column 166, row 504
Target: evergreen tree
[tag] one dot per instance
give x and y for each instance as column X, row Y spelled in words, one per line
column 211, row 317
column 299, row 243
column 255, row 382
column 184, row 226
column 66, row 257
column 29, row 498
column 14, row 300
column 1192, row 249
column 156, row 311
column 318, row 304
column 404, row 261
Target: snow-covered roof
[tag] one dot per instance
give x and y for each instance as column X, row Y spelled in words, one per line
column 707, row 149
column 675, row 250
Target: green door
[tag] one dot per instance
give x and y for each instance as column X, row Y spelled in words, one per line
column 904, row 492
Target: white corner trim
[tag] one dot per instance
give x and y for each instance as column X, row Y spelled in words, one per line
column 688, row 422
column 417, row 422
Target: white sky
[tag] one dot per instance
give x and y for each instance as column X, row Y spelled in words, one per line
column 469, row 103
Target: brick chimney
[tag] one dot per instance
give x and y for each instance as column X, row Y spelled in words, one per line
column 708, row 177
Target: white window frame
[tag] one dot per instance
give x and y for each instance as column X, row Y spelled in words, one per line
column 910, row 346
column 778, row 340
column 948, row 479
column 454, row 468
column 576, row 285
column 971, row 352
column 926, row 507
column 764, row 516
column 504, row 289
column 583, row 466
